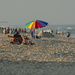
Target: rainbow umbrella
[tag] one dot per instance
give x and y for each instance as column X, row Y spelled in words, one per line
column 36, row 24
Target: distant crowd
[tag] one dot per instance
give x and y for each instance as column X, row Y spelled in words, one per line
column 12, row 31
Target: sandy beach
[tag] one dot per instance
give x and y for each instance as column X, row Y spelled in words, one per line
column 48, row 56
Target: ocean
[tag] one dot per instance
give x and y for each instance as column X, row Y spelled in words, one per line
column 59, row 28
column 62, row 28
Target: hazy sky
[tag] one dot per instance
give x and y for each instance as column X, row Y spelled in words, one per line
column 19, row 12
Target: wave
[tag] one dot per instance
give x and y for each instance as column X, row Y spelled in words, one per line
column 47, row 30
column 69, row 28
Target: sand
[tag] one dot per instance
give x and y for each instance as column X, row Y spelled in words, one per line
column 48, row 56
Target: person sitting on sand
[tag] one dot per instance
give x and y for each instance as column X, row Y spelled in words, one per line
column 36, row 36
column 40, row 33
column 17, row 34
column 68, row 34
column 16, row 38
column 26, row 40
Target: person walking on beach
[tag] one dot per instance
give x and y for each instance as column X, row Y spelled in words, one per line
column 68, row 34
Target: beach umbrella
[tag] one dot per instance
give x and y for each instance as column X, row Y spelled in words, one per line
column 36, row 24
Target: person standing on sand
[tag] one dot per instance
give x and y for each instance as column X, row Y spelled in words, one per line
column 8, row 30
column 16, row 30
column 11, row 31
column 25, row 30
column 32, row 31
column 68, row 34
column 4, row 31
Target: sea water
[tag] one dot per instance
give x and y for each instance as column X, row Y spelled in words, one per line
column 59, row 28
column 62, row 28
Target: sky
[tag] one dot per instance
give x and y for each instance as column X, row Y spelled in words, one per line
column 55, row 12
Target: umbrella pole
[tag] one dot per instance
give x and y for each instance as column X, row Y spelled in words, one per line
column 35, row 33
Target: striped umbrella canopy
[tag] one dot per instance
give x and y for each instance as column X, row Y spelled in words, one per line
column 36, row 24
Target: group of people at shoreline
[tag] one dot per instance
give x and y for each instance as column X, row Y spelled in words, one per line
column 12, row 31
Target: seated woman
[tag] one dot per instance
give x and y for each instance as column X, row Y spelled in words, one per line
column 16, row 38
column 33, row 36
column 26, row 40
column 17, row 34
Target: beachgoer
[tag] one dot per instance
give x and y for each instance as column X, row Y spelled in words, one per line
column 4, row 31
column 32, row 33
column 62, row 33
column 56, row 31
column 51, row 31
column 25, row 30
column 17, row 34
column 22, row 30
column 68, row 34
column 11, row 31
column 19, row 30
column 16, row 29
column 8, row 30
column 26, row 40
